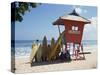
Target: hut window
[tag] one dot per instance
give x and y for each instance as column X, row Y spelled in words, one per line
column 74, row 28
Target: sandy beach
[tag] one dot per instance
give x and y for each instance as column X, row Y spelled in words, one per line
column 22, row 64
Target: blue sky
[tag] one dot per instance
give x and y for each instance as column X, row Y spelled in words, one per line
column 38, row 22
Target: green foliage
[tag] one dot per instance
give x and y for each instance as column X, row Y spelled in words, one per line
column 18, row 10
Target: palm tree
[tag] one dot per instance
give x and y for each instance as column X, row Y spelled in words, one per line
column 18, row 10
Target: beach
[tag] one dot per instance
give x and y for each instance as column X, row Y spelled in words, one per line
column 53, row 41
column 22, row 64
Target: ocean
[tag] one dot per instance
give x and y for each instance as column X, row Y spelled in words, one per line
column 23, row 47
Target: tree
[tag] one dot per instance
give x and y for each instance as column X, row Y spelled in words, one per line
column 18, row 10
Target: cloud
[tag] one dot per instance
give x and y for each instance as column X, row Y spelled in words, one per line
column 93, row 20
column 79, row 9
column 90, row 30
column 92, row 25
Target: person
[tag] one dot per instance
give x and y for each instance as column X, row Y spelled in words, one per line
column 67, row 55
column 62, row 56
column 37, row 41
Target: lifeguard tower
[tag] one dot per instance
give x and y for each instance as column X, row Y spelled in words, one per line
column 74, row 26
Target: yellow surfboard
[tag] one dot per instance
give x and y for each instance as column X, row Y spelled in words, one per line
column 56, row 45
column 34, row 51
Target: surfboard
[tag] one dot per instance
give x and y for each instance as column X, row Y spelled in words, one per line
column 54, row 49
column 34, row 51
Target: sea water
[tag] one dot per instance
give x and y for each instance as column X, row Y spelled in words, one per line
column 24, row 47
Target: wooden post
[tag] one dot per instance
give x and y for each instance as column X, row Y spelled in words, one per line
column 73, row 49
column 82, row 51
column 59, row 30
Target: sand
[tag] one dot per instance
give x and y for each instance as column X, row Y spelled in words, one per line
column 22, row 64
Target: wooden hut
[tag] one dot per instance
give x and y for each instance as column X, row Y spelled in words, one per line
column 74, row 26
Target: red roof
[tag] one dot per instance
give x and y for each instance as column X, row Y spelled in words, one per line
column 73, row 17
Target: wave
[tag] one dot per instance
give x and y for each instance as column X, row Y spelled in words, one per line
column 22, row 51
column 23, row 48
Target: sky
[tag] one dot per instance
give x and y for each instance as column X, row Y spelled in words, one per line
column 38, row 22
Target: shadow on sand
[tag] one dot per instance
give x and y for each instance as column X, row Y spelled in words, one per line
column 49, row 62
